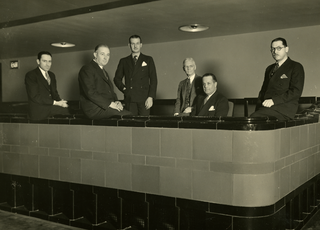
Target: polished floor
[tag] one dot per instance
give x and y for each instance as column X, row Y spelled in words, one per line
column 12, row 221
column 314, row 222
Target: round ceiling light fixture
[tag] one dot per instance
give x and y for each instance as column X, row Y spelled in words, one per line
column 63, row 44
column 193, row 28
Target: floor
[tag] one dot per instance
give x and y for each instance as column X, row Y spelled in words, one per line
column 12, row 221
column 314, row 222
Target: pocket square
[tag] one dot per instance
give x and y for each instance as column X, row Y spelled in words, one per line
column 212, row 108
column 283, row 76
column 144, row 64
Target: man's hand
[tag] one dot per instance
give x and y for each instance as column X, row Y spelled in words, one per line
column 188, row 110
column 62, row 103
column 149, row 103
column 268, row 103
column 119, row 104
column 116, row 105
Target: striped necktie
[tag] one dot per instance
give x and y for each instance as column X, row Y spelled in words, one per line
column 276, row 67
column 48, row 78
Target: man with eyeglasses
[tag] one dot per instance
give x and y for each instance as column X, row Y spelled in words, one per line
column 282, row 86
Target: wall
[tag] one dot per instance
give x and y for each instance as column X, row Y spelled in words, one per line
column 236, row 60
column 252, row 168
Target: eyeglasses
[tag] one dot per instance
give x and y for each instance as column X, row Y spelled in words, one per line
column 277, row 48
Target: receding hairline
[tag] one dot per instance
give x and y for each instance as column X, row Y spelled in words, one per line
column 101, row 45
column 188, row 59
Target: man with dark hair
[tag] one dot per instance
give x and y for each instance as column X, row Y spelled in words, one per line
column 41, row 85
column 140, row 76
column 188, row 89
column 282, row 86
column 97, row 97
column 213, row 103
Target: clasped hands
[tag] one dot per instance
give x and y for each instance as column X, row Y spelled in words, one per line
column 62, row 103
column 268, row 103
column 117, row 105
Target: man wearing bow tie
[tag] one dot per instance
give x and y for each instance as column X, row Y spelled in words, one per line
column 188, row 89
column 212, row 103
column 41, row 85
column 140, row 84
column 97, row 97
column 282, row 86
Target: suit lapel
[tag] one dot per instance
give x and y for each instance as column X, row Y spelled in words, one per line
column 280, row 71
column 138, row 64
column 130, row 63
column 103, row 76
column 205, row 108
column 202, row 105
column 193, row 89
column 42, row 79
column 184, row 88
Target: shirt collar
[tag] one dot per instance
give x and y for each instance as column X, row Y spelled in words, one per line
column 282, row 61
column 135, row 55
column 211, row 95
column 98, row 64
column 43, row 73
column 191, row 78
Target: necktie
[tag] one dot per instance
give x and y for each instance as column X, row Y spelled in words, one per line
column 135, row 59
column 276, row 67
column 205, row 100
column 188, row 91
column 48, row 78
column 105, row 73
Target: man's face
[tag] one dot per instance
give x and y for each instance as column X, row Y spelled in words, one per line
column 102, row 55
column 209, row 86
column 189, row 67
column 45, row 62
column 281, row 54
column 135, row 45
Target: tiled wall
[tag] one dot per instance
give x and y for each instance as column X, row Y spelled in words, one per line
column 238, row 168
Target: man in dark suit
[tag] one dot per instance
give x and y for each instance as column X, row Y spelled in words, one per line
column 282, row 86
column 41, row 85
column 140, row 76
column 188, row 89
column 97, row 97
column 213, row 103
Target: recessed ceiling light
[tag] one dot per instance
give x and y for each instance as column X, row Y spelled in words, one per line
column 63, row 44
column 193, row 28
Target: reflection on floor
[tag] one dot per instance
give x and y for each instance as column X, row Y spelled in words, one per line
column 314, row 223
column 12, row 221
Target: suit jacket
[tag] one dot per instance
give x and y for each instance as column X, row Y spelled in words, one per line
column 216, row 106
column 40, row 94
column 140, row 79
column 96, row 91
column 196, row 89
column 284, row 87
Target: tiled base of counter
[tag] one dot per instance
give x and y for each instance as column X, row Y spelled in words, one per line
column 92, row 207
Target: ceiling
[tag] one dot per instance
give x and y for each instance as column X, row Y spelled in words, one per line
column 26, row 27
